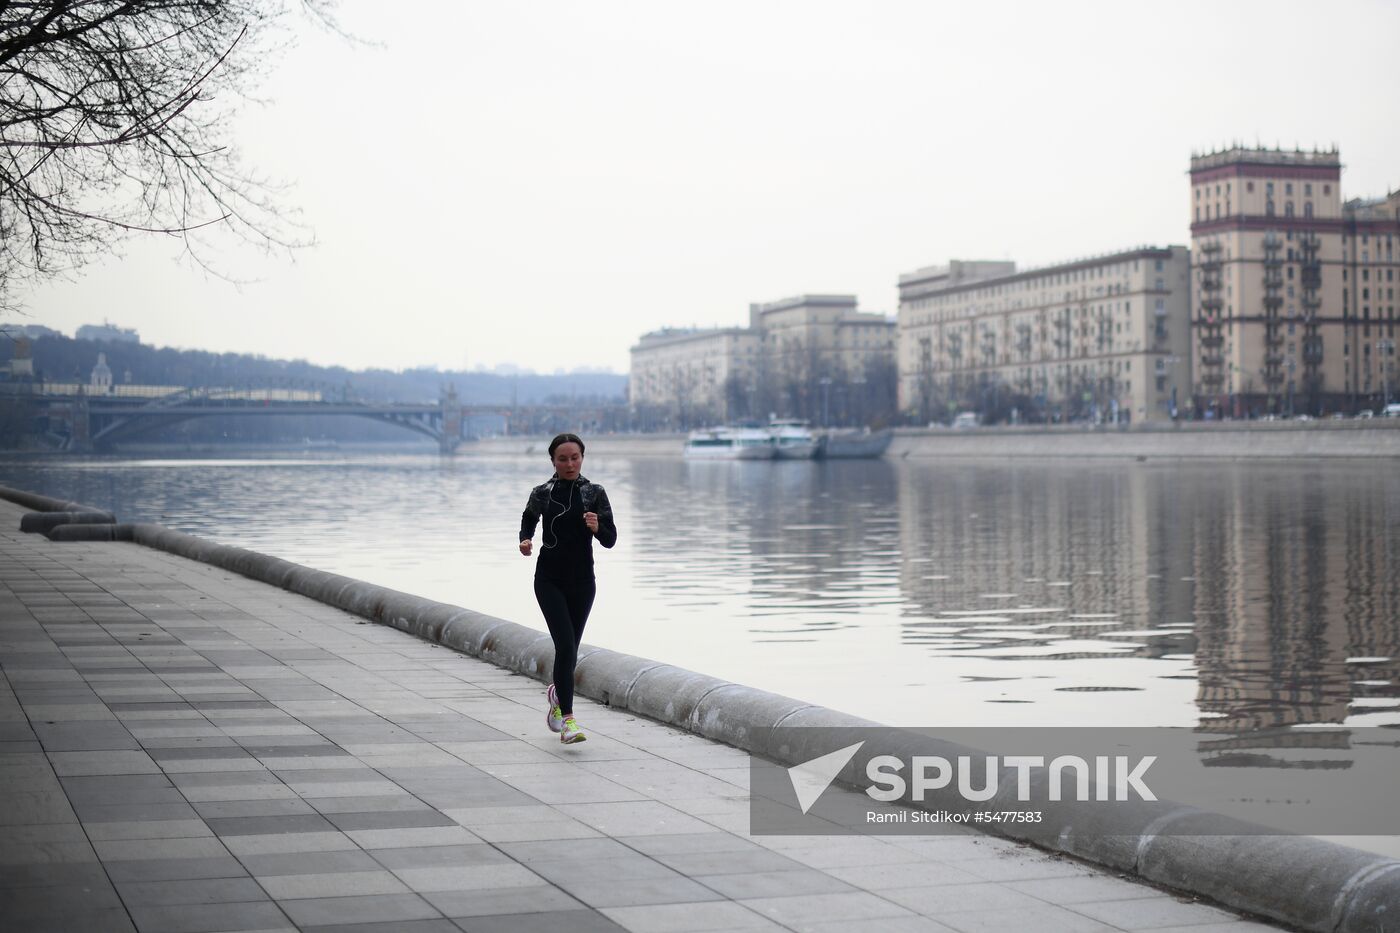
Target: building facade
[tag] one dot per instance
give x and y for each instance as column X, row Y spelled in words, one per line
column 1370, row 267
column 109, row 332
column 812, row 356
column 1266, row 235
column 681, row 377
column 1103, row 338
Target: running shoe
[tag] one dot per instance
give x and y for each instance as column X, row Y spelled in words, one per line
column 572, row 733
column 555, row 717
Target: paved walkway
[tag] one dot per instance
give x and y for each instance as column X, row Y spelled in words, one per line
column 184, row 749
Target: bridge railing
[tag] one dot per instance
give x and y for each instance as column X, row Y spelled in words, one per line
column 75, row 389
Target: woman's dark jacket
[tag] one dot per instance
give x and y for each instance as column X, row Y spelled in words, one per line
column 566, row 544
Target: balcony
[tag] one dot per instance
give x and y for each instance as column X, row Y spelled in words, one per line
column 1273, row 280
column 1312, row 356
column 1212, row 359
column 1272, row 360
column 1273, row 378
column 1212, row 341
column 1273, row 339
column 1272, row 302
column 1212, row 302
column 1273, row 259
column 1213, row 378
column 1310, row 278
column 1310, row 300
column 1210, row 246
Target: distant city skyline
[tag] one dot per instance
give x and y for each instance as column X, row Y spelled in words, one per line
column 537, row 186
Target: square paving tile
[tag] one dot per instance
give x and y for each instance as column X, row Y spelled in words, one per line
column 378, row 908
column 332, row 884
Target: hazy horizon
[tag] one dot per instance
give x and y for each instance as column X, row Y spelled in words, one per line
column 540, row 185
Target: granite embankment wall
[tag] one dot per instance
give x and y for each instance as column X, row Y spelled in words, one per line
column 604, row 445
column 1377, row 438
column 1256, row 440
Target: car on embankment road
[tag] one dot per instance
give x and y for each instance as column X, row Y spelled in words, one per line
column 1391, row 411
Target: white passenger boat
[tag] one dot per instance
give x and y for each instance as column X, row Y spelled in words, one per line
column 792, row 439
column 729, row 443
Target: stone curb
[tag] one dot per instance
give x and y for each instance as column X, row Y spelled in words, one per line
column 43, row 503
column 1308, row 882
column 44, row 522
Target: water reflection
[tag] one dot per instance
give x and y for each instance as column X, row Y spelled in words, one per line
column 1236, row 597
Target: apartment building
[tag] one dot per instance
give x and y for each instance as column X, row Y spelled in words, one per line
column 1295, row 290
column 806, row 356
column 822, row 336
column 1370, row 267
column 688, row 376
column 1105, row 338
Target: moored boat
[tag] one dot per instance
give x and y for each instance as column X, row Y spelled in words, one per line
column 792, row 439
column 854, row 445
column 729, row 443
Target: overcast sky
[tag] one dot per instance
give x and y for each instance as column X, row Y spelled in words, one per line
column 541, row 183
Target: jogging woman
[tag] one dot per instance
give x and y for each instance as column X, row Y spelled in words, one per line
column 571, row 512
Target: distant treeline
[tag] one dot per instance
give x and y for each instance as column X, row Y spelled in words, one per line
column 63, row 359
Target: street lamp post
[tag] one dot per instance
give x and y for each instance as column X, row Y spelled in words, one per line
column 1291, row 365
column 1386, row 347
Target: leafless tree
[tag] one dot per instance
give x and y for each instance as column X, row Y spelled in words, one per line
column 115, row 119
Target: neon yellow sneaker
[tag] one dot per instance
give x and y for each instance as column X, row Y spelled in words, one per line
column 572, row 733
column 555, row 717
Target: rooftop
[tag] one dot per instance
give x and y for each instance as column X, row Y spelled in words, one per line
column 1320, row 158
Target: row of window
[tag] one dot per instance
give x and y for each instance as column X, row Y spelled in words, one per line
column 1268, row 189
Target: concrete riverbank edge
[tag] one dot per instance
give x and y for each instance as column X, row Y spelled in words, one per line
column 1225, row 440
column 1307, row 882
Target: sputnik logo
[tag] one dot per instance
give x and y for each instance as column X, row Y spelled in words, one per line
column 811, row 778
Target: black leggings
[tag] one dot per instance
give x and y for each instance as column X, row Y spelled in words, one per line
column 565, row 607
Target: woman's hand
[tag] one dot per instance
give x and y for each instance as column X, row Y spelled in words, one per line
column 525, row 547
column 591, row 520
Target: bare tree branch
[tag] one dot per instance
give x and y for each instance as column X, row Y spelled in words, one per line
column 115, row 119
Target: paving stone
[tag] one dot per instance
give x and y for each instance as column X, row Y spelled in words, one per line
column 277, row 843
column 858, row 909
column 392, row 819
column 774, row 883
column 1047, row 918
column 693, row 918
column 174, row 869
column 575, row 921
column 332, row 884
column 438, row 856
column 1151, row 912
column 209, row 918
column 379, row 908
column 120, row 850
column 539, row 899
column 1085, row 889
column 301, row 863
column 397, row 926
column 269, row 825
column 202, row 891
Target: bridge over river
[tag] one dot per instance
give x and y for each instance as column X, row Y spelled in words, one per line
column 83, row 419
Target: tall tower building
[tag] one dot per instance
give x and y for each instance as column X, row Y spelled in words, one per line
column 1371, row 252
column 1268, row 319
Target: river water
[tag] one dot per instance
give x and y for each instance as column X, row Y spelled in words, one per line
column 1226, row 596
